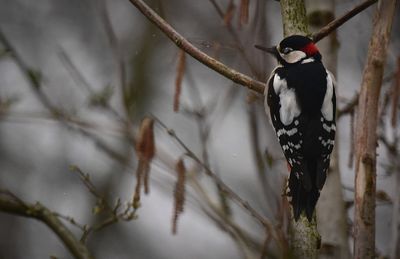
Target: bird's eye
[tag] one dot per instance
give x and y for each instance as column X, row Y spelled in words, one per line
column 286, row 50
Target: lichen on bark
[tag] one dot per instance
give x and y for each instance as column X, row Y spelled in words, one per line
column 294, row 18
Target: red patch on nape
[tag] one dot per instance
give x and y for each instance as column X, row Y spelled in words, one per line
column 310, row 49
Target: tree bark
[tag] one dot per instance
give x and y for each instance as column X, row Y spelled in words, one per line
column 304, row 235
column 366, row 135
column 294, row 18
column 331, row 212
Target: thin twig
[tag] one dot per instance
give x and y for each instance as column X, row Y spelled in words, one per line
column 115, row 213
column 236, row 38
column 184, row 44
column 216, row 65
column 71, row 220
column 85, row 178
column 80, row 80
column 41, row 213
column 230, row 193
column 113, row 41
column 201, row 114
column 349, row 107
column 323, row 32
column 35, row 82
column 33, row 77
column 258, row 154
column 220, row 215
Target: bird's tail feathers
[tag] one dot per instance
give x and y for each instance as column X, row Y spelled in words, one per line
column 302, row 196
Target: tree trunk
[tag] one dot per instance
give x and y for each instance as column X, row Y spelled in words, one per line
column 366, row 137
column 331, row 212
column 304, row 235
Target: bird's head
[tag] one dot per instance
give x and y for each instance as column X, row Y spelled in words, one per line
column 294, row 49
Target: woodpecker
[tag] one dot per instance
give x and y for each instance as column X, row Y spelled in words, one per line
column 300, row 99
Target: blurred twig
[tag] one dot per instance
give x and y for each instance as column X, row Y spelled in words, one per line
column 226, row 189
column 242, row 238
column 184, row 44
column 201, row 115
column 322, row 33
column 349, row 107
column 258, row 154
column 118, row 55
column 96, row 98
column 9, row 203
column 115, row 213
column 35, row 81
column 216, row 65
column 216, row 214
column 33, row 77
column 236, row 38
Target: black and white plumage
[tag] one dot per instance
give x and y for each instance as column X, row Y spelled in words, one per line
column 300, row 99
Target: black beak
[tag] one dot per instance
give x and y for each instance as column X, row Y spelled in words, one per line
column 272, row 50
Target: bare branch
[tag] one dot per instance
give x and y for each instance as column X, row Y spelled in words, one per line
column 115, row 213
column 113, row 41
column 34, row 80
column 322, row 33
column 216, row 65
column 366, row 131
column 38, row 211
column 349, row 107
column 226, row 18
column 184, row 44
column 33, row 77
column 226, row 189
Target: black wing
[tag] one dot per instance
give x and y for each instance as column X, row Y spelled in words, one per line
column 307, row 142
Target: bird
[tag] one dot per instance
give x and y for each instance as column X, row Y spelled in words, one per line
column 301, row 103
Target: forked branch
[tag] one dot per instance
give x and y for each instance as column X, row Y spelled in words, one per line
column 327, row 29
column 11, row 204
column 184, row 44
column 218, row 66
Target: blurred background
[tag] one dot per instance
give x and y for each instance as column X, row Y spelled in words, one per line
column 81, row 75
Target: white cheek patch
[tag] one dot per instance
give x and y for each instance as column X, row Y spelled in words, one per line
column 279, row 84
column 327, row 105
column 287, row 97
column 293, row 56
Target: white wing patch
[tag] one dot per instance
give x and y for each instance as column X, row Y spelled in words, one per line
column 289, row 107
column 266, row 106
column 308, row 60
column 327, row 105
